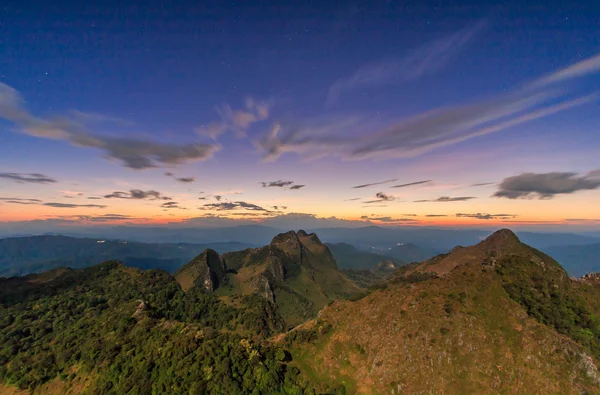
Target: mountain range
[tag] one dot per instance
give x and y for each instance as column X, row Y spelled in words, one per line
column 498, row 316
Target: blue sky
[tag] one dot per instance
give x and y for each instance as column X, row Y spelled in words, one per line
column 102, row 98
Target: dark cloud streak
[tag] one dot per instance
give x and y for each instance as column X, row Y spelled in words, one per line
column 33, row 178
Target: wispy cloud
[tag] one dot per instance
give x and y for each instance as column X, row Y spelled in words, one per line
column 33, row 178
column 236, row 121
column 410, row 184
column 374, row 183
column 381, row 197
column 446, row 199
column 67, row 205
column 436, row 215
column 240, row 205
column 170, row 205
column 436, row 128
column 132, row 153
column 276, row 184
column 484, row 216
column 24, row 201
column 100, row 218
column 424, row 60
column 137, row 194
column 482, row 184
column 546, row 185
column 388, row 220
column 180, row 179
column 19, row 200
column 282, row 184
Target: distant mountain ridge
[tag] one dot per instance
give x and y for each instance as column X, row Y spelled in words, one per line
column 24, row 255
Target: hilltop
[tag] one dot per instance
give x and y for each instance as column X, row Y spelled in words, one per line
column 295, row 271
column 498, row 316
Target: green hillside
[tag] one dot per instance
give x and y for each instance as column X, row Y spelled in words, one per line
column 295, row 271
column 498, row 317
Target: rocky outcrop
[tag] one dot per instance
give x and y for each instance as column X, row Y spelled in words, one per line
column 262, row 286
column 206, row 271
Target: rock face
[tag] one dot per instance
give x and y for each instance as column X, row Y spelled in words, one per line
column 206, row 271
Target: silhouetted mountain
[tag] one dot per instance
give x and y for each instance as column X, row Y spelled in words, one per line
column 19, row 256
column 349, row 257
column 408, row 252
column 437, row 239
column 577, row 259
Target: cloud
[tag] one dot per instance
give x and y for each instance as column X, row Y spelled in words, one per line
column 236, row 121
column 389, row 219
column 34, row 178
column 546, row 185
column 228, row 206
column 169, row 205
column 180, row 179
column 482, row 184
column 381, row 197
column 24, row 201
column 137, row 194
column 67, row 205
column 281, row 184
column 351, row 200
column 100, row 218
column 374, row 183
column 444, row 199
column 132, row 153
column 276, row 184
column 424, row 60
column 436, row 215
column 364, row 138
column 486, row 216
column 19, row 200
column 410, row 184
column 218, row 197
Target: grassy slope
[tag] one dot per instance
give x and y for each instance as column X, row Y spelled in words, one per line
column 462, row 333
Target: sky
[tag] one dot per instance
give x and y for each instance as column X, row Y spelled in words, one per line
column 219, row 113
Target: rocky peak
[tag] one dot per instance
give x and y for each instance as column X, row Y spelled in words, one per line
column 308, row 237
column 501, row 240
column 591, row 278
column 207, row 271
column 289, row 239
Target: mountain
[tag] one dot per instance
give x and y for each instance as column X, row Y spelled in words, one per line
column 348, row 256
column 295, row 271
column 365, row 238
column 408, row 252
column 115, row 329
column 577, row 259
column 24, row 255
column 110, row 328
column 497, row 317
